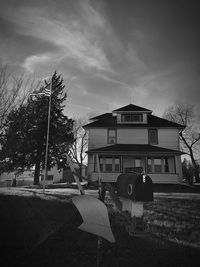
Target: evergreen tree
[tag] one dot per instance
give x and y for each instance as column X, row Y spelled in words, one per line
column 25, row 132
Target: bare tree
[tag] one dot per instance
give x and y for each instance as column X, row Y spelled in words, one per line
column 189, row 136
column 14, row 91
column 79, row 147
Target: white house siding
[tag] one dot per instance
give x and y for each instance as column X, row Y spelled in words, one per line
column 105, row 177
column 97, row 138
column 168, row 138
column 57, row 175
column 164, row 178
column 132, row 136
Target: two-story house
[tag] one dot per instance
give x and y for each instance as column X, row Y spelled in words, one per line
column 132, row 139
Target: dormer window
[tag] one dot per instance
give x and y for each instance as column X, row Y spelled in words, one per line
column 130, row 117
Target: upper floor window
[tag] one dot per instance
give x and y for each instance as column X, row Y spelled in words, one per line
column 132, row 117
column 153, row 136
column 112, row 136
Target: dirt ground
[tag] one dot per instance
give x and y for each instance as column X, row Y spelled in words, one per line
column 43, row 232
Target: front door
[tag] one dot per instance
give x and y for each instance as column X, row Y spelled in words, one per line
column 132, row 163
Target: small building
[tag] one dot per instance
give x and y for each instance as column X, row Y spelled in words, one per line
column 132, row 139
column 17, row 179
column 63, row 175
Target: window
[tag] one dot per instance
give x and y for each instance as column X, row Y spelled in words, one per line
column 132, row 118
column 108, row 164
column 117, row 164
column 149, row 165
column 137, row 162
column 153, row 136
column 48, row 178
column 112, row 136
column 157, row 165
column 161, row 165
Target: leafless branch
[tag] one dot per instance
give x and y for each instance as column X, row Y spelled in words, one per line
column 189, row 136
column 14, row 91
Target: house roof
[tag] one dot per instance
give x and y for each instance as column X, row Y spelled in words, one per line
column 144, row 149
column 131, row 107
column 108, row 120
column 102, row 116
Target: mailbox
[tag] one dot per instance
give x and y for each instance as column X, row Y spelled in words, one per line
column 136, row 187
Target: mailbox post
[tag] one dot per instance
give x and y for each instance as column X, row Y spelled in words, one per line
column 133, row 190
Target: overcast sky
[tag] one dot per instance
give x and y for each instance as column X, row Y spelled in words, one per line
column 109, row 52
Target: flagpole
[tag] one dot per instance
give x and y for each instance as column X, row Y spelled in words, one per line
column 47, row 141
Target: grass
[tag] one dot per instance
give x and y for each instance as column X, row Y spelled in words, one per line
column 38, row 230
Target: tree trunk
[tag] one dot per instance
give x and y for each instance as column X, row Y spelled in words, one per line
column 37, row 168
column 196, row 173
column 80, row 173
column 37, row 173
column 196, row 167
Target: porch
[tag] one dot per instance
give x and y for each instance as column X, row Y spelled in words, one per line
column 161, row 169
column 161, row 164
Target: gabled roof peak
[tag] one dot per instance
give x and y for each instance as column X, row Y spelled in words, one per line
column 132, row 107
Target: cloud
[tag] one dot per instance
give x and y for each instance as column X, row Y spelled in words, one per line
column 16, row 47
column 108, row 51
column 31, row 61
column 92, row 17
column 70, row 36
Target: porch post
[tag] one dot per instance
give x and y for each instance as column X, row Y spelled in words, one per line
column 98, row 169
column 146, row 164
column 121, row 163
column 93, row 163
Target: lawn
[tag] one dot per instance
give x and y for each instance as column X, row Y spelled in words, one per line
column 38, row 230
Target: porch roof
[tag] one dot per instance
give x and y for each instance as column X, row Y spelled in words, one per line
column 143, row 149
